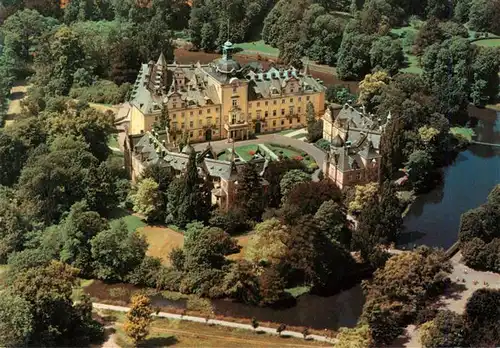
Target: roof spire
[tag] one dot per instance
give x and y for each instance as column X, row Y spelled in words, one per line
column 161, row 60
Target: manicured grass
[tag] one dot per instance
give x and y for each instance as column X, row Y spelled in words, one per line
column 165, row 332
column 258, row 46
column 287, row 131
column 289, row 152
column 463, row 132
column 404, row 30
column 244, row 151
column 488, row 43
column 299, row 136
column 162, row 241
column 133, row 222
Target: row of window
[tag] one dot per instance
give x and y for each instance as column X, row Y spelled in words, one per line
column 291, row 110
column 191, row 113
column 200, row 123
column 275, row 102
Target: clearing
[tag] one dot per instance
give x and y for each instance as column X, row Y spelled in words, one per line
column 257, row 47
column 17, row 93
column 165, row 332
column 161, row 241
column 488, row 43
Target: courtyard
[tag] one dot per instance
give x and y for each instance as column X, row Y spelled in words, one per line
column 273, row 151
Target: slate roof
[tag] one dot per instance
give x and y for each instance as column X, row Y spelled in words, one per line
column 362, row 140
column 155, row 82
column 154, row 152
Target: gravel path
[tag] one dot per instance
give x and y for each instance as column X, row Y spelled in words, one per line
column 267, row 330
column 457, row 298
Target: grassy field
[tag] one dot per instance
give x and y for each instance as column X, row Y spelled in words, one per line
column 165, row 332
column 257, row 46
column 133, row 222
column 290, row 153
column 488, row 43
column 463, row 132
column 161, row 241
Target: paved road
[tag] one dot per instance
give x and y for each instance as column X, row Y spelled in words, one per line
column 267, row 330
column 318, row 155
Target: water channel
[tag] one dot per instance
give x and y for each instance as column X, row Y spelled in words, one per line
column 434, row 218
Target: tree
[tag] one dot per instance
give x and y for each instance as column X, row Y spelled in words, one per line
column 482, row 315
column 58, row 58
column 280, row 329
column 353, row 60
column 273, row 174
column 400, row 288
column 332, row 222
column 420, row 167
column 357, row 337
column 325, row 34
column 56, row 320
column 339, row 94
column 189, row 197
column 208, row 249
column 483, row 15
column 250, row 197
column 272, row 285
column 54, row 179
column 146, row 199
column 461, row 11
column 441, row 9
column 93, row 126
column 314, row 126
column 116, row 252
column 446, row 330
column 241, row 282
column 22, row 31
column 234, row 221
column 429, row 34
column 291, row 179
column 139, row 318
column 364, row 194
column 125, row 60
column 387, row 54
column 255, row 323
column 13, row 226
column 75, row 233
column 16, row 321
column 485, row 81
column 370, row 88
column 12, row 157
column 268, row 243
column 306, row 198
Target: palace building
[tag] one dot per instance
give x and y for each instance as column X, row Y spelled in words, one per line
column 221, row 100
column 354, row 156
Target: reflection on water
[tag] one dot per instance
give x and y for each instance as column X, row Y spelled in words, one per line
column 434, row 218
column 332, row 312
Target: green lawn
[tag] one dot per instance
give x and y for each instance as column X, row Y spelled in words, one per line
column 463, row 132
column 290, row 152
column 258, row 46
column 413, row 66
column 246, row 152
column 133, row 222
column 488, row 43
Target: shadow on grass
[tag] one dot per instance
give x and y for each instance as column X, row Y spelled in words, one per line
column 159, row 342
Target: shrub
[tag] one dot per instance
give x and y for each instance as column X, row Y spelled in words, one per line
column 102, row 91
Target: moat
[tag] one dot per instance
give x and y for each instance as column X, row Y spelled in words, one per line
column 434, row 218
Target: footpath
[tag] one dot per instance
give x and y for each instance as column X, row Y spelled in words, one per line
column 267, row 330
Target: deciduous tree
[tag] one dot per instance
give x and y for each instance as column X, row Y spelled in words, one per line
column 139, row 318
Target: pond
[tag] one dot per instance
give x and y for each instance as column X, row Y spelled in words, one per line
column 434, row 218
